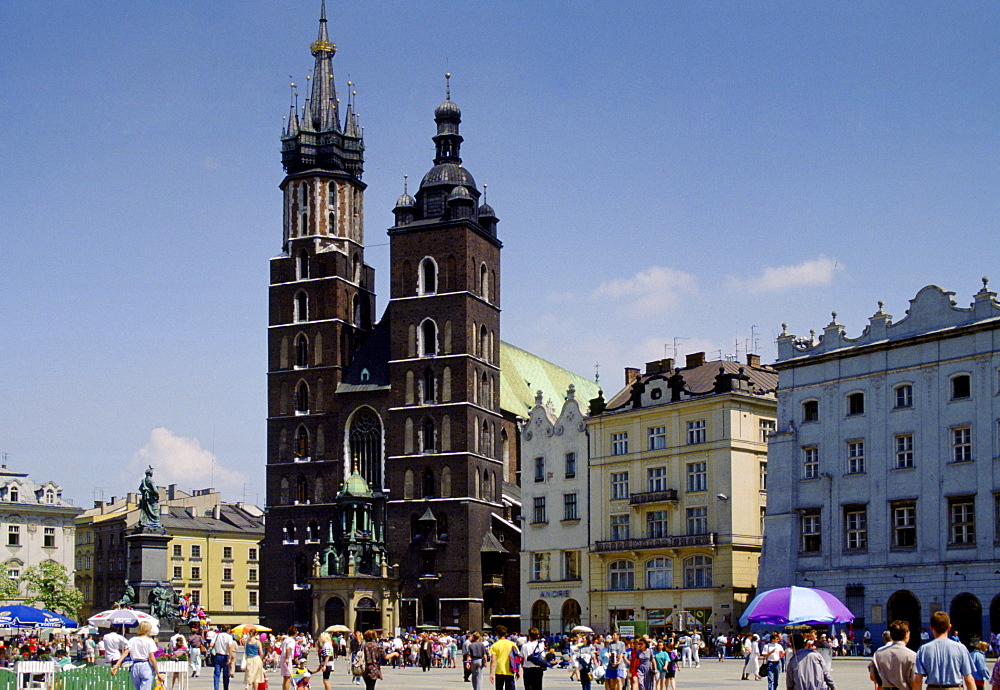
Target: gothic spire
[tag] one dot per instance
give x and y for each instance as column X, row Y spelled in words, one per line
column 351, row 122
column 323, row 114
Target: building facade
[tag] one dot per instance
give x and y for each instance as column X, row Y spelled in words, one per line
column 884, row 489
column 213, row 556
column 678, row 472
column 37, row 523
column 555, row 579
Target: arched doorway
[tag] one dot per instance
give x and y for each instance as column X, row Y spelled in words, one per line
column 995, row 614
column 333, row 612
column 570, row 614
column 540, row 616
column 366, row 615
column 967, row 618
column 904, row 606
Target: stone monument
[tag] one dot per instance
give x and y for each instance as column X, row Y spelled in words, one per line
column 147, row 558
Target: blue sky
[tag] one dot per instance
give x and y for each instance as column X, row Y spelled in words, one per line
column 695, row 170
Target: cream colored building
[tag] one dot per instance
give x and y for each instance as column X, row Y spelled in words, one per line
column 678, row 472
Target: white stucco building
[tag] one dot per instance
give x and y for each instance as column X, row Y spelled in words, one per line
column 884, row 483
column 37, row 523
column 555, row 540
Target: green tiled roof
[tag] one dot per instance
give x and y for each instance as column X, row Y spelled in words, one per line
column 522, row 374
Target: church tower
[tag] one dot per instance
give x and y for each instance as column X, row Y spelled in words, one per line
column 321, row 305
column 445, row 471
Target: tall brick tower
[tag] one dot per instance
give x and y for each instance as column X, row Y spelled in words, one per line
column 443, row 460
column 321, row 311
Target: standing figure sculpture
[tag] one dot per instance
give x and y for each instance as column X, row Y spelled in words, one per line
column 149, row 503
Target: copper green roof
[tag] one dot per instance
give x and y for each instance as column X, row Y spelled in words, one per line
column 522, row 374
column 356, row 486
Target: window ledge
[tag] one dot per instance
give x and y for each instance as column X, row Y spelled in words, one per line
column 903, row 469
column 565, row 520
column 962, row 546
column 539, row 522
column 961, row 462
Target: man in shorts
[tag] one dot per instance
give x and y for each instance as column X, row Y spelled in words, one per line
column 617, row 669
column 286, row 660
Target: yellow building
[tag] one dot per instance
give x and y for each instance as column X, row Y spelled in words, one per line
column 213, row 556
column 678, row 471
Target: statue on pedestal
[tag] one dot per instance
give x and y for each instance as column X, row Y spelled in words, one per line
column 162, row 602
column 149, row 504
column 128, row 596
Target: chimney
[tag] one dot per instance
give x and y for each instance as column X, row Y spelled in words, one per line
column 171, row 492
column 217, row 511
column 695, row 359
column 631, row 375
column 753, row 360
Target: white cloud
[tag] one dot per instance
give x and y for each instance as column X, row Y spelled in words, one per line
column 180, row 460
column 654, row 290
column 812, row 273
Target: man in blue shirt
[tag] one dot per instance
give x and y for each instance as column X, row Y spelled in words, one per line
column 943, row 662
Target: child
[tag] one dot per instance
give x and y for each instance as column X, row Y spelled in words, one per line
column 300, row 678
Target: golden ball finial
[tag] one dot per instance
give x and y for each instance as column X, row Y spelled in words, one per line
column 447, row 75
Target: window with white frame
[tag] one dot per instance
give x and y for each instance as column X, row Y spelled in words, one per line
column 904, row 524
column 657, row 437
column 196, row 572
column 855, row 456
column 621, row 575
column 696, row 432
column 619, row 486
column 227, row 598
column 659, row 573
column 252, row 594
column 541, row 564
column 620, row 527
column 570, row 510
column 570, row 465
column 177, row 551
column 904, row 451
column 763, row 475
column 656, row 479
column 540, row 469
column 810, row 462
column 539, row 510
column 697, row 571
column 767, row 427
column 252, row 553
column 697, row 476
column 962, row 521
column 571, row 565
column 195, row 551
column 697, row 520
column 427, row 277
column 427, row 344
column 49, row 537
column 656, row 524
column 961, row 444
column 856, row 528
column 14, row 536
column 251, row 574
column 809, row 529
column 904, row 396
column 619, row 443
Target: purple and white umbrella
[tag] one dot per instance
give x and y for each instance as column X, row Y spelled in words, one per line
column 117, row 617
column 795, row 606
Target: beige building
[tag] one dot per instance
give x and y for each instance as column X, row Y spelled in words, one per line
column 678, row 472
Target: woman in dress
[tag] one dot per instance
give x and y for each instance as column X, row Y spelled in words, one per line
column 645, row 670
column 253, row 662
column 324, row 648
column 751, row 661
column 142, row 650
column 374, row 655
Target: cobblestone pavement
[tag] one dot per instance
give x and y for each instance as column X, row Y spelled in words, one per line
column 849, row 674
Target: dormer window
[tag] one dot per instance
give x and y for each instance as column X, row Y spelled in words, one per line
column 13, row 494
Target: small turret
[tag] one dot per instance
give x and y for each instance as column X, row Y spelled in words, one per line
column 404, row 206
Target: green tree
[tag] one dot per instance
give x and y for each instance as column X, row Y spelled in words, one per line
column 8, row 588
column 48, row 584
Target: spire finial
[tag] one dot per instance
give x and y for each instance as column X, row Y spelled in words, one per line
column 447, row 86
column 484, row 191
column 405, row 190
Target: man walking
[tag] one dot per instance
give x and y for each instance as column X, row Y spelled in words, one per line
column 196, row 647
column 893, row 664
column 223, row 654
column 806, row 669
column 613, row 678
column 943, row 662
column 501, row 674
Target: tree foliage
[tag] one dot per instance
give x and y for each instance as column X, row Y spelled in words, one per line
column 8, row 588
column 48, row 584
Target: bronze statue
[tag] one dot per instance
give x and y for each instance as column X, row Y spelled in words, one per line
column 149, row 503
column 128, row 596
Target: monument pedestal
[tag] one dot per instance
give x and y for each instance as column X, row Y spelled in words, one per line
column 147, row 564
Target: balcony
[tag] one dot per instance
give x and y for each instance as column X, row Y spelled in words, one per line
column 665, row 496
column 655, row 543
column 492, row 581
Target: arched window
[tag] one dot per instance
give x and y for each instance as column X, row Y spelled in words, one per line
column 14, row 495
column 659, row 573
column 366, row 445
column 484, row 282
column 302, row 264
column 302, row 398
column 476, row 492
column 621, row 575
column 505, row 453
column 446, row 385
column 301, row 351
column 428, row 389
column 486, row 486
column 697, row 571
column 484, row 440
column 301, row 306
column 493, row 487
column 427, row 436
column 283, row 496
column 357, row 313
column 289, row 533
column 408, row 436
column 356, row 269
column 442, row 527
column 303, row 225
column 445, row 482
column 428, row 338
column 570, row 614
column 445, row 433
column 427, row 489
column 408, row 484
column 302, row 490
column 302, row 443
column 484, row 343
column 540, row 616
column 427, row 281
column 484, row 391
column 312, row 533
column 318, row 490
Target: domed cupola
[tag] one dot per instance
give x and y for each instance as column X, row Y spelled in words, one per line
column 405, row 206
column 461, row 204
column 487, row 216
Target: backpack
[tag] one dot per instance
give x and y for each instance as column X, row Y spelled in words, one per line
column 515, row 659
column 537, row 658
column 358, row 663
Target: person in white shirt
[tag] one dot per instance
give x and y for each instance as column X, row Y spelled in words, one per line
column 223, row 657
column 142, row 650
column 114, row 646
column 696, row 648
column 773, row 652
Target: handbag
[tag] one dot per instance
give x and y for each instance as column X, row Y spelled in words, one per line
column 762, row 671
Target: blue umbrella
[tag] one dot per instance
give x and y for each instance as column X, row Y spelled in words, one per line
column 21, row 616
